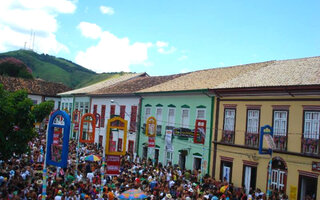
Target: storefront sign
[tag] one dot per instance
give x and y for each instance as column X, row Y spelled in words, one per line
column 151, row 142
column 113, row 165
column 316, row 166
column 183, row 132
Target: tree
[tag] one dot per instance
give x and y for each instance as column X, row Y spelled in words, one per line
column 42, row 110
column 17, row 122
column 16, row 68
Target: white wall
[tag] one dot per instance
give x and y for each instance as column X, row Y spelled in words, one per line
column 128, row 102
column 56, row 101
column 35, row 98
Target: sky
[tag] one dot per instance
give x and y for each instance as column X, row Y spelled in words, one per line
column 162, row 37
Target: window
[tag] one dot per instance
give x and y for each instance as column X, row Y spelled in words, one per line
column 133, row 118
column 280, row 120
column 95, row 108
column 159, row 116
column 311, row 124
column 103, row 115
column 147, row 113
column 119, row 144
column 185, row 118
column 201, row 114
column 226, row 171
column 280, row 123
column 86, row 107
column 169, row 156
column 253, row 121
column 81, row 107
column 171, row 115
column 229, row 115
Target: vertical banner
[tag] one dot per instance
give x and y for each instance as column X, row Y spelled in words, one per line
column 151, row 142
column 168, row 140
column 88, row 128
column 113, row 165
column 200, row 131
column 58, row 139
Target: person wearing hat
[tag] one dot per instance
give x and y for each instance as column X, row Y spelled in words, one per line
column 58, row 196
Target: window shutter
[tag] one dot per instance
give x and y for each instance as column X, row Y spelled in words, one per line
column 103, row 115
column 133, row 118
column 95, row 107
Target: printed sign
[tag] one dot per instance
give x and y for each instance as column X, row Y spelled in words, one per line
column 152, row 142
column 113, row 165
column 168, row 140
column 200, row 131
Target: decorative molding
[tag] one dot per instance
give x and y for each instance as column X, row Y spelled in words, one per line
column 196, row 154
column 311, row 107
column 228, row 159
column 159, row 105
column 171, row 106
column 230, row 105
column 147, row 105
column 201, row 106
column 250, row 163
column 252, row 106
column 280, row 107
column 309, row 174
column 185, row 106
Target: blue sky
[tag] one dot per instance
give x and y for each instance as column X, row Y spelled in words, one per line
column 164, row 36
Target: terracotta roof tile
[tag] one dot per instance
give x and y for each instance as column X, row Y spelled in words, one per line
column 134, row 85
column 103, row 84
column 37, row 86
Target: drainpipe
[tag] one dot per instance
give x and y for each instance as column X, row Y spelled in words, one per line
column 215, row 137
column 139, row 126
column 211, row 131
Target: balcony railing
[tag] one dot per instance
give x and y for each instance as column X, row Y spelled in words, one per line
column 281, row 142
column 310, row 145
column 228, row 137
column 252, row 139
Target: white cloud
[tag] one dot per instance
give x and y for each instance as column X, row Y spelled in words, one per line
column 19, row 17
column 181, row 58
column 106, row 10
column 90, row 30
column 163, row 47
column 113, row 54
column 162, row 44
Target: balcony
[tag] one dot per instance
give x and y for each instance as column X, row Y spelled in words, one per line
column 228, row 137
column 252, row 139
column 310, row 146
column 281, row 142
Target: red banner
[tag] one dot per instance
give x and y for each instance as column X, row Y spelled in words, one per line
column 57, row 135
column 200, row 131
column 113, row 165
column 152, row 142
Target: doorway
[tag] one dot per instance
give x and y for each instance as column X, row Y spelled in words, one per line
column 156, row 155
column 145, row 152
column 182, row 161
column 249, row 177
column 307, row 187
column 197, row 163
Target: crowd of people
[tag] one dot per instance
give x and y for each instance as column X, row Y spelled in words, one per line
column 21, row 178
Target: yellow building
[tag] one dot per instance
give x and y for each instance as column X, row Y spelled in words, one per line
column 286, row 96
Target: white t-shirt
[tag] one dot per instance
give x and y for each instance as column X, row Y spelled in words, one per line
column 90, row 176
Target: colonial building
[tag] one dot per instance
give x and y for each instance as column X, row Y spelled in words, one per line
column 37, row 89
column 285, row 95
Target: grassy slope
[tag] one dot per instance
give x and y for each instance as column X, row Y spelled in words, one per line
column 55, row 69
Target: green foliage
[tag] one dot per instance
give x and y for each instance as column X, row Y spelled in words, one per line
column 58, row 70
column 17, row 121
column 42, row 110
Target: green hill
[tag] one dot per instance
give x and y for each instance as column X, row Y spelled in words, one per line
column 51, row 68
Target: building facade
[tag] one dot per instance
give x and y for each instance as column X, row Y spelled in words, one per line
column 176, row 116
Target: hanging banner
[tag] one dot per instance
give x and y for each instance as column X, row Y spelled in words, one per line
column 151, row 142
column 168, row 140
column 113, row 165
column 87, row 128
column 151, row 127
column 119, row 125
column 200, row 131
column 58, row 129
